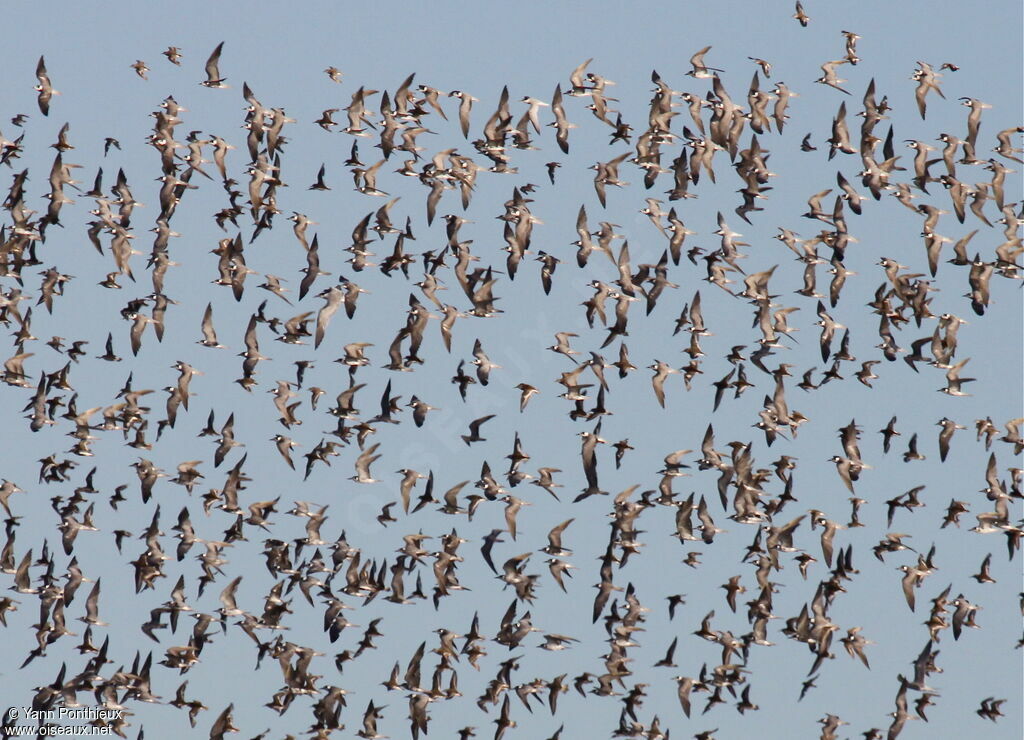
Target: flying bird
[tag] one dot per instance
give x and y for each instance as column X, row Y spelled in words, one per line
column 213, row 76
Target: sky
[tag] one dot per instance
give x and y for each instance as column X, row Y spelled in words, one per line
column 529, row 48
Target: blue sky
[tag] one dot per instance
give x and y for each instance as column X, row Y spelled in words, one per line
column 528, row 47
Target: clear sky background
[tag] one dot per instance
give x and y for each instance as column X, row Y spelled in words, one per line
column 530, row 47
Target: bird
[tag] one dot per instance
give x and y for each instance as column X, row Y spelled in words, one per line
column 44, row 88
column 527, row 392
column 801, row 17
column 484, row 366
column 474, row 430
column 223, row 724
column 829, row 76
column 140, row 68
column 209, row 334
column 362, row 464
column 213, row 76
column 661, row 372
column 698, row 69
